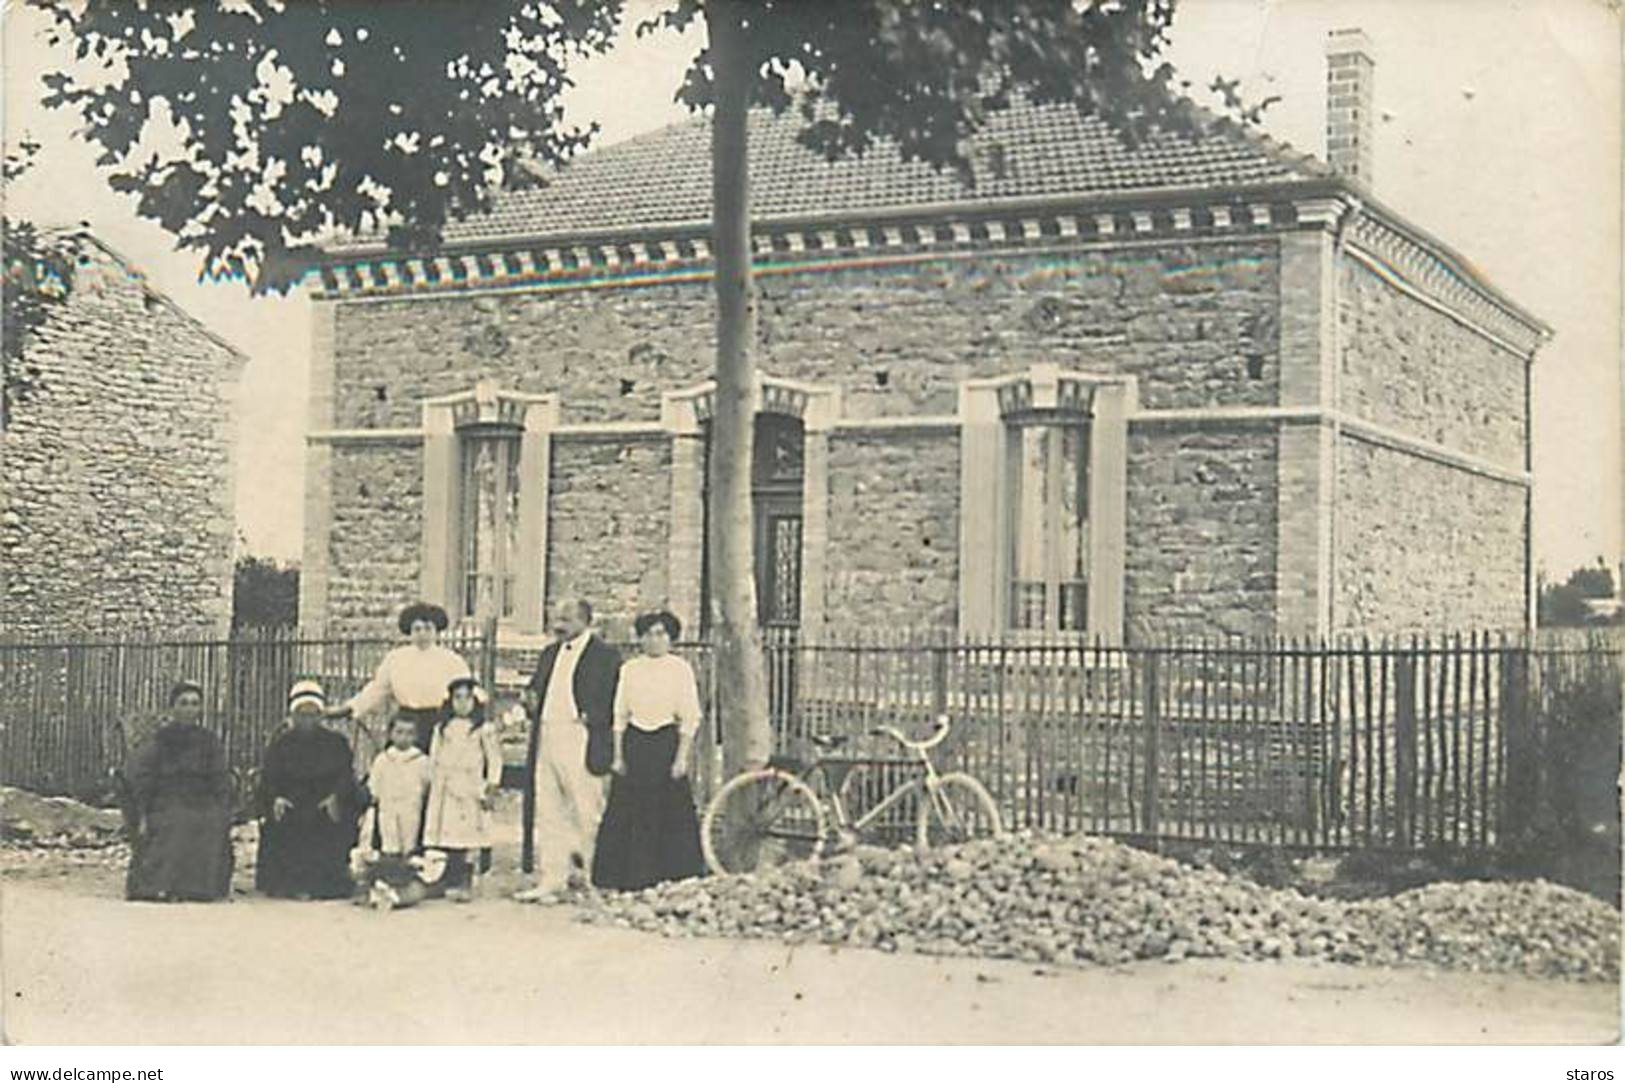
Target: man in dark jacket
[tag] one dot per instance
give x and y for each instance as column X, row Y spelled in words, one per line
column 570, row 700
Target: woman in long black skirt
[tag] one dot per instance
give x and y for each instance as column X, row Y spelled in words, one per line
column 650, row 832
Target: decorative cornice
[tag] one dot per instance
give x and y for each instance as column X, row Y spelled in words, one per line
column 1422, row 270
column 487, row 405
column 816, row 405
column 631, row 259
column 668, row 252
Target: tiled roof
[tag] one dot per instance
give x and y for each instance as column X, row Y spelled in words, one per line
column 663, row 178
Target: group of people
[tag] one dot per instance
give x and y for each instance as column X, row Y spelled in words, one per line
column 607, row 798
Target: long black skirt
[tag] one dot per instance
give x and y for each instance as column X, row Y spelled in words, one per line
column 305, row 853
column 650, row 832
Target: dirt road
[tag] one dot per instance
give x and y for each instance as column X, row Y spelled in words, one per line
column 82, row 966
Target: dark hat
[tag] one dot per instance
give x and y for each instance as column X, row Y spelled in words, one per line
column 180, row 688
column 646, row 621
column 464, row 681
column 423, row 611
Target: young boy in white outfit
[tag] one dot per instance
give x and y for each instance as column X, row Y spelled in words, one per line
column 399, row 781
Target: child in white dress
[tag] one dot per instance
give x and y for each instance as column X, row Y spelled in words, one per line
column 399, row 781
column 465, row 762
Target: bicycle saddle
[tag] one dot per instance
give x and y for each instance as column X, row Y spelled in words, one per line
column 829, row 742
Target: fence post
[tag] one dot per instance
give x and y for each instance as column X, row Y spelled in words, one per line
column 1153, row 768
column 1520, row 792
column 939, row 680
column 1405, row 742
column 488, row 655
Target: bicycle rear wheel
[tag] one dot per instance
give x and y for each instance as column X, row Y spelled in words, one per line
column 759, row 820
column 958, row 810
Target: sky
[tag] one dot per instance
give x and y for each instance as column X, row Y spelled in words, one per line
column 1499, row 133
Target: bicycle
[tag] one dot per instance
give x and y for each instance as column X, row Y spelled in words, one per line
column 774, row 815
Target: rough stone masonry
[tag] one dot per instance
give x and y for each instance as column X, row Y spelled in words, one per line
column 116, row 487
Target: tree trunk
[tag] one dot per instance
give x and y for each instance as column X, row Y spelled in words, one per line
column 741, row 675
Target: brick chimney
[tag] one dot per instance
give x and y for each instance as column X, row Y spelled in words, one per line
column 1349, row 135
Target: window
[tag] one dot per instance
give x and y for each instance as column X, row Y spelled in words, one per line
column 1048, row 484
column 490, row 522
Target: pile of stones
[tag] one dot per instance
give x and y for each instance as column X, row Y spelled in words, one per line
column 1049, row 899
column 29, row 820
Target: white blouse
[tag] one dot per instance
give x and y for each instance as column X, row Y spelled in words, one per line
column 655, row 692
column 414, row 678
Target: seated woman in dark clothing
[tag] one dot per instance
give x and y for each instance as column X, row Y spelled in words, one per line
column 308, row 799
column 650, row 832
column 178, row 806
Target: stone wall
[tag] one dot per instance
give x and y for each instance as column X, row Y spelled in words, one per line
column 1201, row 531
column 116, row 484
column 1197, row 323
column 893, row 555
column 1423, row 546
column 1408, row 367
column 607, row 540
column 375, row 549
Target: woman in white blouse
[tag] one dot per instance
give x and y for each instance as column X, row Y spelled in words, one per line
column 413, row 677
column 650, row 832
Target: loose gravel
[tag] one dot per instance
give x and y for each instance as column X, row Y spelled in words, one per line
column 1049, row 899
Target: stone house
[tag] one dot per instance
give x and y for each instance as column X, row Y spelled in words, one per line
column 116, row 473
column 1206, row 386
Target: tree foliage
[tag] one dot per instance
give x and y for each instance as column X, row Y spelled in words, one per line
column 1564, row 605
column 289, row 120
column 38, row 276
column 300, row 118
column 265, row 594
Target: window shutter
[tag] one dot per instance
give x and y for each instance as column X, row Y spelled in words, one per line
column 441, row 510
column 1108, row 510
column 981, row 516
column 535, row 464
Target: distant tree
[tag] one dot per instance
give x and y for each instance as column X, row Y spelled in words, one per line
column 1563, row 605
column 265, row 594
column 1596, row 581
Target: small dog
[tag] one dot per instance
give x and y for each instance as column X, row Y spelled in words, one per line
column 393, row 881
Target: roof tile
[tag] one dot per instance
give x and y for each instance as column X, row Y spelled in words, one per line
column 663, row 177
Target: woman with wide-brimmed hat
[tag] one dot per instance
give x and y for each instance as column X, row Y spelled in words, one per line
column 178, row 806
column 413, row 677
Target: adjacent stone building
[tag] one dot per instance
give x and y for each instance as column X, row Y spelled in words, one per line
column 1206, row 386
column 116, row 480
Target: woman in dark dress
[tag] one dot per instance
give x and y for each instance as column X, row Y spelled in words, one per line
column 179, row 808
column 650, row 832
column 309, row 803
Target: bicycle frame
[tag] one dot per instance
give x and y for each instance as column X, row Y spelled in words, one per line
column 842, row 822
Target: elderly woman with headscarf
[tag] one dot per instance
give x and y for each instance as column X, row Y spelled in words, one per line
column 650, row 832
column 413, row 677
column 178, row 805
column 308, row 802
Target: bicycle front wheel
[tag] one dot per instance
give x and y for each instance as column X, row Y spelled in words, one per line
column 759, row 820
column 958, row 810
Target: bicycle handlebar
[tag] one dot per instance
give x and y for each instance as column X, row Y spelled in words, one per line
column 938, row 732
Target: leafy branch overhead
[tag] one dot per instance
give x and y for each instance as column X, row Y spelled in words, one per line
column 253, row 130
column 38, row 275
